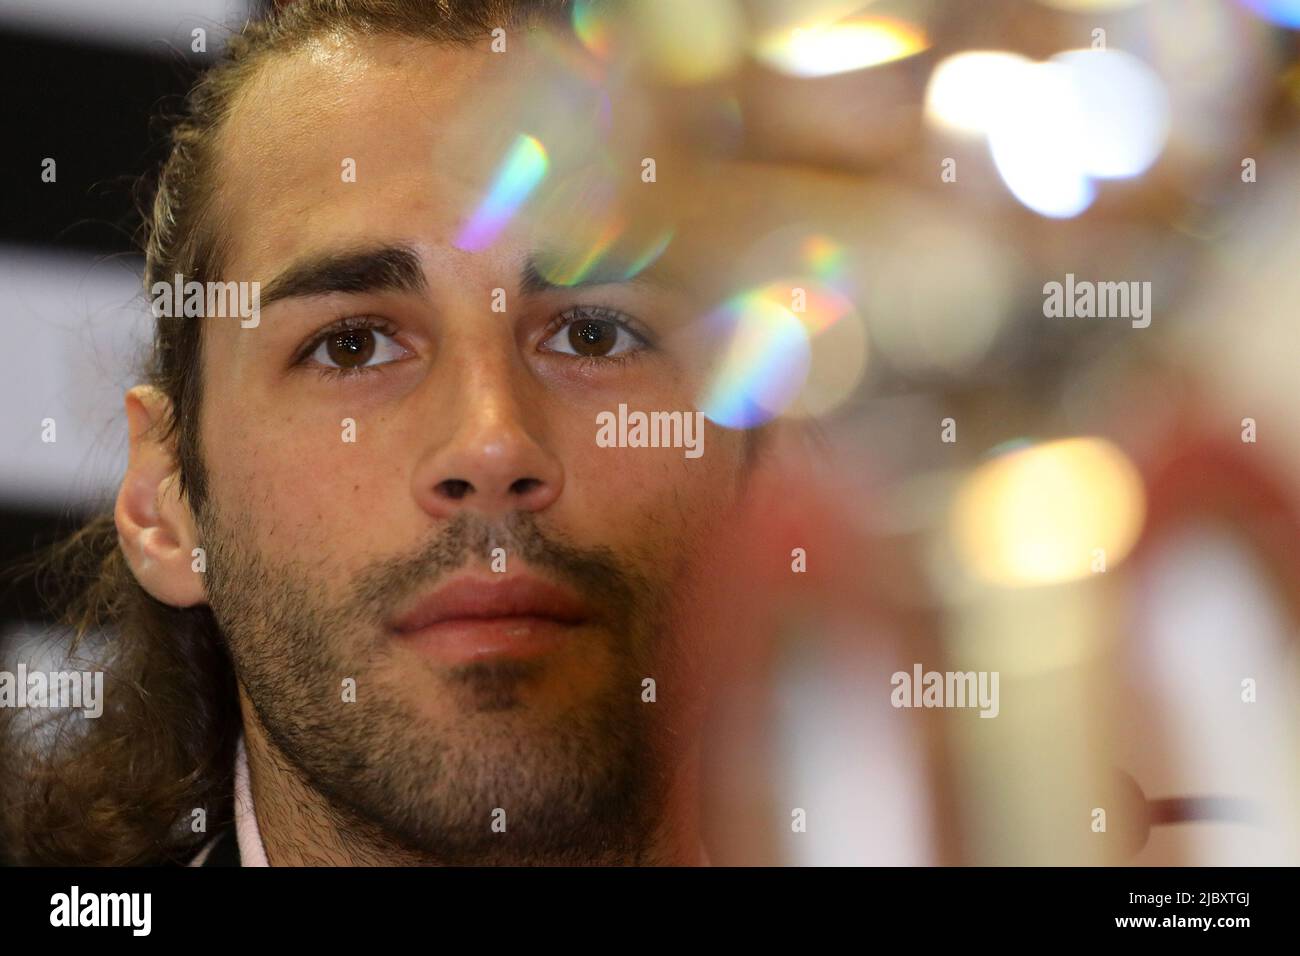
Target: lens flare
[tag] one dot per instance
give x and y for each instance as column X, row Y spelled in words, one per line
column 795, row 348
column 1084, row 115
column 830, row 48
column 764, row 361
column 586, row 229
column 1048, row 514
column 686, row 42
column 650, row 250
column 524, row 168
column 933, row 329
column 613, row 254
column 837, row 338
column 967, row 91
column 1122, row 112
column 823, row 257
column 593, row 27
column 571, row 266
column 1284, row 13
column 1033, row 147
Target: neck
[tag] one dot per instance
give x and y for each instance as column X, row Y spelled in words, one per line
column 300, row 827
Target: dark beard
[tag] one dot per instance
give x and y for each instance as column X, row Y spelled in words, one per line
column 588, row 786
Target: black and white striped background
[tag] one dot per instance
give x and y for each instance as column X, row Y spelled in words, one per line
column 85, row 83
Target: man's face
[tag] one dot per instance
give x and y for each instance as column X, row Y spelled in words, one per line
column 362, row 476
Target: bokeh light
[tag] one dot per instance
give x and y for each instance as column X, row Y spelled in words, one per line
column 687, row 42
column 792, row 347
column 1049, row 513
column 1053, row 128
column 823, row 257
column 764, row 356
column 1032, row 143
column 838, row 353
column 968, row 90
column 1121, row 115
column 923, row 327
column 825, row 49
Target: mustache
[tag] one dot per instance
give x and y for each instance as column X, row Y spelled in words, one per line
column 470, row 538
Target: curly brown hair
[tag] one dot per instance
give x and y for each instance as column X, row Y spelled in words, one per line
column 123, row 789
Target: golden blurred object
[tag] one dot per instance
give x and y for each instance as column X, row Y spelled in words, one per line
column 828, row 49
column 1048, row 514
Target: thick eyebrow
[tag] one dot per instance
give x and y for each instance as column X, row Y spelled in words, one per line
column 392, row 268
column 532, row 282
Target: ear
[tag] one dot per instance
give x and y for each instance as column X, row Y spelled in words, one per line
column 154, row 522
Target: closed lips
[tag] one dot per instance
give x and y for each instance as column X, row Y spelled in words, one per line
column 469, row 599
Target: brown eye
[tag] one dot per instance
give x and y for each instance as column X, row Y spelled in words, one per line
column 355, row 348
column 592, row 336
column 593, row 333
column 350, row 348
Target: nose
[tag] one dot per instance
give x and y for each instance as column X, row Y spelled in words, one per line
column 494, row 460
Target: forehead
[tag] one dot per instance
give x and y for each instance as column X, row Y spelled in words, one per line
column 346, row 137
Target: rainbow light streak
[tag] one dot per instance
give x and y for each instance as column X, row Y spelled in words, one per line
column 524, row 167
column 769, row 349
column 593, row 28
column 604, row 254
column 765, row 363
column 823, row 257
column 823, row 307
column 1282, row 12
column 647, row 258
column 572, row 270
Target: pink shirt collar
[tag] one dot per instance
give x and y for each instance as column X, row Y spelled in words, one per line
column 252, row 852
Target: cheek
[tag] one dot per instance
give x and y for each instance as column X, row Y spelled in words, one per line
column 301, row 481
column 650, row 501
